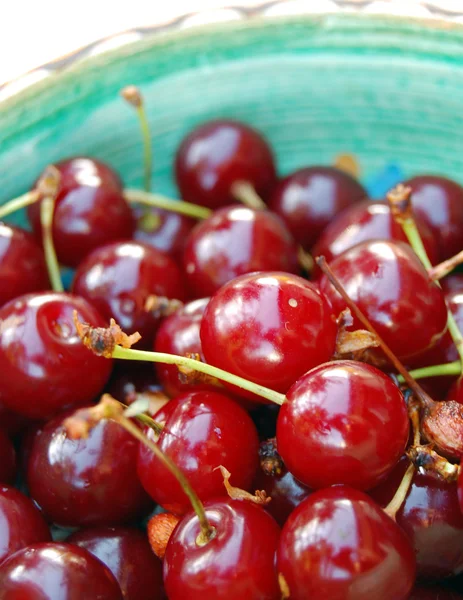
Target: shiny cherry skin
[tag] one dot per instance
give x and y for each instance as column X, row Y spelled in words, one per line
column 128, row 555
column 391, row 287
column 310, row 198
column 269, row 328
column 21, row 523
column 342, row 422
column 439, row 201
column 7, row 459
column 202, row 430
column 364, row 221
column 216, row 155
column 90, row 210
column 233, row 241
column 118, row 279
column 56, row 571
column 49, row 369
column 431, row 518
column 22, row 265
column 165, row 230
column 86, row 482
column 239, row 562
column 339, row 545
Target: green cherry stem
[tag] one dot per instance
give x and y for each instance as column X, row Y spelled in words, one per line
column 18, row 203
column 245, row 193
column 401, row 493
column 445, row 267
column 47, row 208
column 159, row 201
column 453, row 368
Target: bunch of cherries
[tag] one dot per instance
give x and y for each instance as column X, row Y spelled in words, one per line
column 282, row 446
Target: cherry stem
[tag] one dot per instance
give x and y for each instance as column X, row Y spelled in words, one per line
column 445, row 267
column 394, row 505
column 453, row 368
column 183, row 361
column 20, row 202
column 159, row 201
column 47, row 209
column 245, row 193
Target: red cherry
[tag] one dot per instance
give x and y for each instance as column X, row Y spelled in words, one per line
column 56, row 571
column 10, row 421
column 233, row 241
column 128, row 555
column 339, row 544
column 49, row 369
column 342, row 422
column 22, row 265
column 202, row 430
column 391, row 287
column 86, row 482
column 216, row 155
column 21, row 523
column 269, row 328
column 311, row 197
column 90, row 210
column 239, row 562
column 7, row 459
column 439, row 201
column 118, row 279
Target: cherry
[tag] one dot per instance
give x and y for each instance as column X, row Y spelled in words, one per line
column 452, row 283
column 118, row 279
column 22, row 265
column 86, row 482
column 233, row 241
column 128, row 555
column 216, row 155
column 49, row 368
column 56, row 571
column 364, row 221
column 391, row 287
column 439, row 201
column 90, row 210
column 7, row 459
column 21, row 523
column 339, row 544
column 239, row 562
column 342, row 422
column 10, row 421
column 202, row 430
column 269, row 328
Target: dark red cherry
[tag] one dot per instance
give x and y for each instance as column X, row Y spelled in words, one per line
column 118, row 279
column 22, row 265
column 310, row 198
column 364, row 221
column 269, row 328
column 390, row 285
column 21, row 523
column 216, row 155
column 202, row 430
column 342, row 422
column 11, row 422
column 439, row 201
column 49, row 369
column 128, row 555
column 86, row 482
column 7, row 459
column 432, row 519
column 338, row 544
column 239, row 562
column 56, row 571
column 90, row 210
column 233, row 241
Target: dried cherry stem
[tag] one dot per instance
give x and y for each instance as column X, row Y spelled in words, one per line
column 394, row 505
column 134, row 196
column 453, row 368
column 245, row 193
column 18, row 203
column 132, row 95
column 445, row 267
column 49, row 183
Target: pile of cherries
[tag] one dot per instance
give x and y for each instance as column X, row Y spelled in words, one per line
column 320, row 428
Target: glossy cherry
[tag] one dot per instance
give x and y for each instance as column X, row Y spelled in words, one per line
column 338, row 544
column 86, row 482
column 310, row 198
column 233, row 241
column 216, row 155
column 56, row 571
column 128, row 555
column 269, row 328
column 49, row 369
column 239, row 562
column 391, row 287
column 22, row 265
column 202, row 430
column 7, row 459
column 118, row 279
column 90, row 210
column 21, row 523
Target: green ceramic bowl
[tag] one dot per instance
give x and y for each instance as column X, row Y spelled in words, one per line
column 388, row 90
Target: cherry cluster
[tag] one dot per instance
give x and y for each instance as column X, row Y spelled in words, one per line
column 281, row 446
